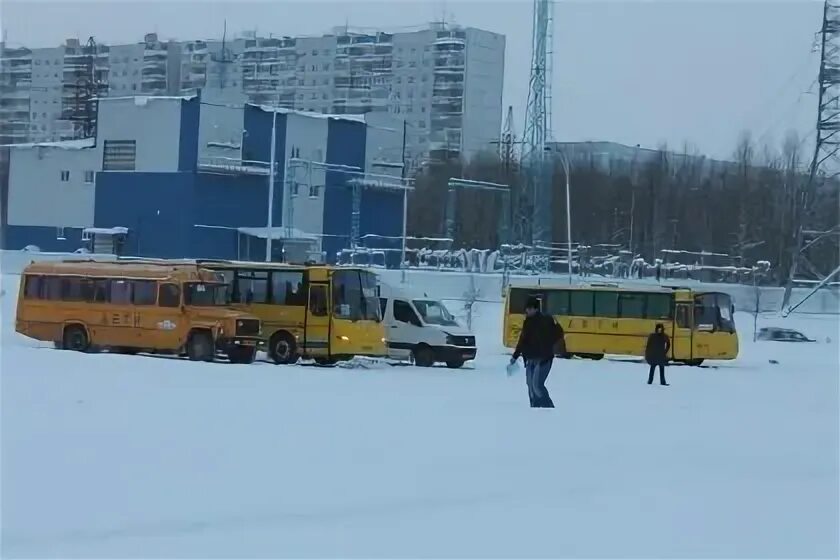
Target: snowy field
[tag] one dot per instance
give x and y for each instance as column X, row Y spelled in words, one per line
column 119, row 456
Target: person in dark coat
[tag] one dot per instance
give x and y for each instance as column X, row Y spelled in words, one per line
column 656, row 353
column 537, row 341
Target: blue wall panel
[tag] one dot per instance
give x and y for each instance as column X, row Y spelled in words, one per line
column 232, row 201
column 44, row 237
column 346, row 146
column 188, row 144
column 156, row 207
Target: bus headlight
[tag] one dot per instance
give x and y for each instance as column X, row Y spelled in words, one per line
column 345, row 338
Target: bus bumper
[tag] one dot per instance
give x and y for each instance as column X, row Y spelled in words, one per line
column 454, row 353
column 225, row 344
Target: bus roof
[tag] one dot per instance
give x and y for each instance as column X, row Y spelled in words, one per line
column 144, row 270
column 603, row 287
column 227, row 263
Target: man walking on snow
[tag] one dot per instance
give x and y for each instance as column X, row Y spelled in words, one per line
column 656, row 353
column 540, row 333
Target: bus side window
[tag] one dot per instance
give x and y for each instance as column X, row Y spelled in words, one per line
column 318, row 300
column 169, row 295
column 32, row 287
column 683, row 318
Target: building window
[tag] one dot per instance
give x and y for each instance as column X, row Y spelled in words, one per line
column 59, row 234
column 89, row 174
column 313, row 191
column 65, row 175
column 119, row 155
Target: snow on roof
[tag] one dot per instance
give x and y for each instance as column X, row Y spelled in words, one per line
column 107, row 231
column 143, row 99
column 62, row 144
column 283, row 111
column 280, row 232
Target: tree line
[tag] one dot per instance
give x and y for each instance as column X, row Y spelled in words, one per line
column 745, row 207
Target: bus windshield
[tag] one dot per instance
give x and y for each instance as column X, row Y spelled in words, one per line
column 203, row 294
column 714, row 310
column 354, row 295
column 435, row 313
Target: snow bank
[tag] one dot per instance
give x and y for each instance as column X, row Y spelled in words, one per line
column 118, row 456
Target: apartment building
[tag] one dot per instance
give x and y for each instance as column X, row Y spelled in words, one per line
column 444, row 81
column 49, row 94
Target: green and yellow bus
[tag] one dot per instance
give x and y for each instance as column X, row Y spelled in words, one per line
column 611, row 319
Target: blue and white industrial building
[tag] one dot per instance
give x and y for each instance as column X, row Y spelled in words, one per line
column 183, row 177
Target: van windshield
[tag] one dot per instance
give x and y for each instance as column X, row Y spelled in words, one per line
column 202, row 294
column 435, row 313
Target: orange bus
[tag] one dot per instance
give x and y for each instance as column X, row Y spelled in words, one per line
column 131, row 308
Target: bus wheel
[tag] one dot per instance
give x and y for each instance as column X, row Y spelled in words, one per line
column 242, row 354
column 75, row 338
column 282, row 348
column 694, row 363
column 424, row 356
column 455, row 364
column 200, row 347
column 596, row 357
column 325, row 362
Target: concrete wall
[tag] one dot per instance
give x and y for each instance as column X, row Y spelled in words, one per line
column 483, row 91
column 39, row 197
column 155, row 123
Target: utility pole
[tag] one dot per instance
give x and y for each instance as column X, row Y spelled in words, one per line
column 828, row 139
column 403, row 265
column 272, row 171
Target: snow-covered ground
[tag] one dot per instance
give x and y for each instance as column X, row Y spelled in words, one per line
column 118, row 456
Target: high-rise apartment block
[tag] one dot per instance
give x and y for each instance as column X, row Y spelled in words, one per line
column 445, row 81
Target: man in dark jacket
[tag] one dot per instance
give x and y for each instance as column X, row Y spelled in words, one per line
column 540, row 333
column 656, row 353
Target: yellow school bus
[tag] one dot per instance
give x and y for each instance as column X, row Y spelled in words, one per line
column 326, row 313
column 609, row 319
column 131, row 308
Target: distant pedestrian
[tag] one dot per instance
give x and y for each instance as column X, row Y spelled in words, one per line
column 656, row 353
column 541, row 338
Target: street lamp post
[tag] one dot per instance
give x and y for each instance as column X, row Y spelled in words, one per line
column 271, row 173
column 565, row 162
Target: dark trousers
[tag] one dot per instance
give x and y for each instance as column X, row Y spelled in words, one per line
column 536, row 373
column 661, row 373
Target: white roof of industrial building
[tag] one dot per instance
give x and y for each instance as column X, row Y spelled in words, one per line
column 61, row 144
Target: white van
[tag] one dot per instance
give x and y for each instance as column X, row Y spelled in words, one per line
column 424, row 330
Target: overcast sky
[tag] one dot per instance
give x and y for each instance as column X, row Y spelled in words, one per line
column 629, row 71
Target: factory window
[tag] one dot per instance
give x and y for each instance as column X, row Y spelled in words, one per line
column 119, row 155
column 65, row 175
column 89, row 176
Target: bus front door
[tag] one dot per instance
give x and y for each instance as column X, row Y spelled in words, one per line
column 316, row 337
column 682, row 344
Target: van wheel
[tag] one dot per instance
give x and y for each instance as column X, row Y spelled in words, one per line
column 200, row 347
column 424, row 356
column 75, row 338
column 694, row 363
column 242, row 354
column 455, row 364
column 282, row 348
